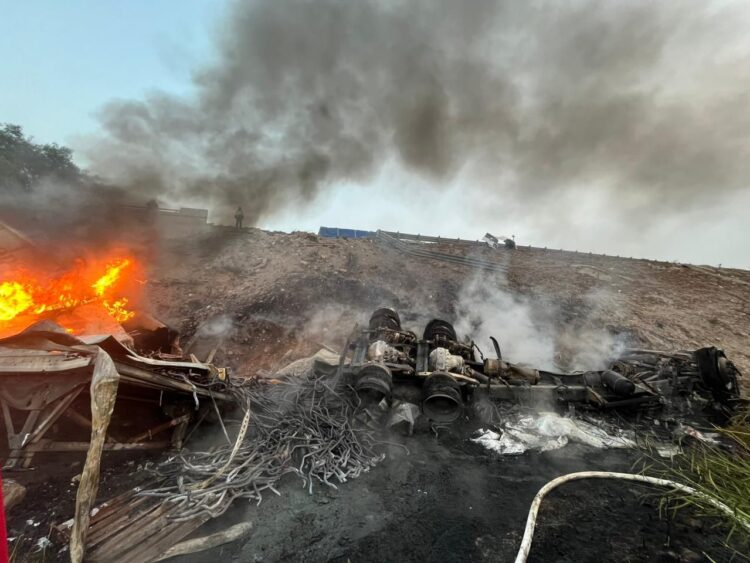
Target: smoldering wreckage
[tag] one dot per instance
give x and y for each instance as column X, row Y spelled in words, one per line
column 325, row 420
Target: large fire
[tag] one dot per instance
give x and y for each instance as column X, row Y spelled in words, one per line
column 102, row 281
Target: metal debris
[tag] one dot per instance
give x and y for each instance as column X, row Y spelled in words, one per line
column 43, row 370
column 302, row 426
column 386, row 362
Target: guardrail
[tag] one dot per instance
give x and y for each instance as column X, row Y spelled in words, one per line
column 427, row 238
column 417, row 250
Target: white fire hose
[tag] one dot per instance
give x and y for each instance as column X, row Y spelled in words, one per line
column 523, row 551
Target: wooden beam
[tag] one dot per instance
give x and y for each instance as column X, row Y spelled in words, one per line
column 195, row 545
column 51, row 446
column 160, row 428
column 54, row 414
column 78, row 418
column 8, row 420
column 178, row 436
column 16, row 441
column 141, row 376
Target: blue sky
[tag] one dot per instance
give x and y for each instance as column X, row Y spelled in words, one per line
column 64, row 59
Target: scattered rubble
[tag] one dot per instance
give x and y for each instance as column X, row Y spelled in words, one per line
column 276, row 309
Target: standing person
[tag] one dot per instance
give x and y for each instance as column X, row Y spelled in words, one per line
column 238, row 217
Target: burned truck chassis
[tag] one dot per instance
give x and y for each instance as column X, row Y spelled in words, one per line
column 385, row 362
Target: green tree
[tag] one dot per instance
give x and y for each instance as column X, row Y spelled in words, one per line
column 23, row 163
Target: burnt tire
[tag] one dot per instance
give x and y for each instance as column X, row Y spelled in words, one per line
column 385, row 317
column 373, row 383
column 438, row 328
column 441, row 398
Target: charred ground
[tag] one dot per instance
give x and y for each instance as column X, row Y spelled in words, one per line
column 264, row 299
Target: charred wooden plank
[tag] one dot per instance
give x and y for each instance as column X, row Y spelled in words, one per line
column 117, row 545
column 117, row 521
column 160, row 542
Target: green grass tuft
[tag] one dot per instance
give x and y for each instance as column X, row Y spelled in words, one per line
column 720, row 471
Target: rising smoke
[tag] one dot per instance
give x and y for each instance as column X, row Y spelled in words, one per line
column 644, row 101
column 546, row 333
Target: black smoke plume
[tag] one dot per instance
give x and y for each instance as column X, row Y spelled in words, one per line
column 645, row 101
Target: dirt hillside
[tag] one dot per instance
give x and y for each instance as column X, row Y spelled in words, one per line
column 265, row 298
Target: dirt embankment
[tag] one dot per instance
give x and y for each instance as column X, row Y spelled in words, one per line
column 266, row 298
column 661, row 305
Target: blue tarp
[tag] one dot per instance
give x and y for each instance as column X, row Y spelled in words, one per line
column 335, row 232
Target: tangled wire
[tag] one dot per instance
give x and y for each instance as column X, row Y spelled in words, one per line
column 301, row 425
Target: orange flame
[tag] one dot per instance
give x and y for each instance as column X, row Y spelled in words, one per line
column 14, row 299
column 87, row 282
column 110, row 277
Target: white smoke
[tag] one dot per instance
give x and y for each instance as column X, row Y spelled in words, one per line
column 535, row 330
column 331, row 323
column 588, row 343
column 486, row 308
column 219, row 326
